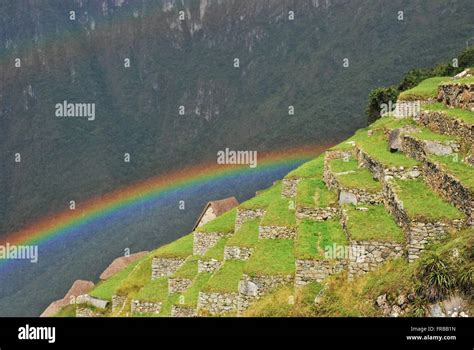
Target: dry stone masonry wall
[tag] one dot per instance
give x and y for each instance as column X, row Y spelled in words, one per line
column 218, row 303
column 247, row 214
column 178, row 285
column 165, row 267
column 237, row 253
column 441, row 123
column 288, row 188
column 202, row 241
column 316, row 270
column 145, row 307
column 209, row 265
column 457, row 95
column 276, row 232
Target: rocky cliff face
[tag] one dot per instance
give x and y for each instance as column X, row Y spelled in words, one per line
column 182, row 55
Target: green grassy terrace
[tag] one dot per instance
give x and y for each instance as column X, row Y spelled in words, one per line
column 263, row 198
column 375, row 224
column 377, row 147
column 390, row 123
column 314, row 238
column 313, row 168
column 314, row 193
column 421, row 203
column 105, row 289
column 189, row 269
column 181, row 248
column 217, row 251
column 272, row 257
column 279, row 214
column 246, row 236
column 224, row 223
column 428, row 88
column 190, row 296
column 458, row 113
column 357, row 177
column 428, row 135
column 457, row 168
column 154, row 291
column 227, row 278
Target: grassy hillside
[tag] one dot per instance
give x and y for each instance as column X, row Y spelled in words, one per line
column 396, row 273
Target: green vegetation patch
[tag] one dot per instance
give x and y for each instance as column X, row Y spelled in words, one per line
column 428, row 135
column 246, row 236
column 190, row 296
column 227, row 278
column 217, row 251
column 105, row 289
column 154, row 291
column 314, row 193
column 224, row 223
column 137, row 278
column 272, row 257
column 428, row 88
column 355, row 177
column 279, row 213
column 458, row 169
column 315, row 238
column 421, row 203
column 458, row 113
column 390, row 123
column 263, row 198
column 377, row 147
column 373, row 224
column 189, row 269
column 180, row 248
column 313, row 168
column 465, row 80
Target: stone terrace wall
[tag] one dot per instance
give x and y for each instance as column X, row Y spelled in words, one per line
column 316, row 270
column 178, row 285
column 202, row 241
column 247, row 214
column 218, row 303
column 368, row 255
column 183, row 311
column 418, row 233
column 457, row 95
column 418, row 149
column 288, row 188
column 252, row 288
column 276, row 232
column 449, row 188
column 380, row 172
column 118, row 301
column 237, row 253
column 318, row 214
column 209, row 265
column 86, row 312
column 165, row 267
column 441, row 123
column 145, row 307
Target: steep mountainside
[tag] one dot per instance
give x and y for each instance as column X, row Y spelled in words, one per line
column 379, row 225
column 190, row 63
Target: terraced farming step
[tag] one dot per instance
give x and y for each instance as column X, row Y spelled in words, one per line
column 321, row 249
column 458, row 93
column 372, row 152
column 422, row 213
column 374, row 237
column 279, row 221
column 209, row 234
column 241, row 245
column 220, row 295
column 448, row 121
column 352, row 183
column 314, row 201
column 271, row 265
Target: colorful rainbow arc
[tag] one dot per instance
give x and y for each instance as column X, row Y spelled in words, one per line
column 59, row 224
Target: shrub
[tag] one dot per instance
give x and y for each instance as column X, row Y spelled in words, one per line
column 377, row 97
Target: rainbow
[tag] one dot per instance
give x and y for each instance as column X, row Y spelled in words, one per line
column 96, row 209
